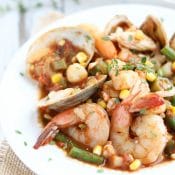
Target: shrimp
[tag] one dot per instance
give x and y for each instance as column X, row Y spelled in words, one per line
column 150, row 133
column 92, row 115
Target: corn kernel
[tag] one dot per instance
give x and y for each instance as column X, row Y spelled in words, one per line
column 56, row 78
column 124, row 94
column 139, row 35
column 150, row 76
column 81, row 57
column 102, row 103
column 83, row 64
column 173, row 66
column 173, row 156
column 97, row 150
column 61, row 42
column 135, row 165
column 172, row 108
column 149, row 63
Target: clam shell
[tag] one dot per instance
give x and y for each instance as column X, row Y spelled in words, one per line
column 67, row 98
column 117, row 21
column 154, row 28
column 77, row 36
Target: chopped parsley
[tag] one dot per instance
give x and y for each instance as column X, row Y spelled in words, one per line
column 105, row 38
column 22, row 74
column 88, row 38
column 117, row 100
column 49, row 159
column 142, row 111
column 100, row 170
column 128, row 66
column 25, row 143
column 52, row 143
column 113, row 65
column 130, row 38
column 18, row 132
column 143, row 60
column 169, row 88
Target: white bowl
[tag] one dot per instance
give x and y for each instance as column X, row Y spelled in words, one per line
column 19, row 97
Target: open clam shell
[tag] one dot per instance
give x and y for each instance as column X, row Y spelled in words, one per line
column 117, row 21
column 77, row 36
column 70, row 97
column 154, row 28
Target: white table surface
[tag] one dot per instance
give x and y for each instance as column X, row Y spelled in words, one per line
column 9, row 25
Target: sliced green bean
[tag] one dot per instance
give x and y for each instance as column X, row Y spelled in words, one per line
column 169, row 53
column 86, row 156
column 63, row 138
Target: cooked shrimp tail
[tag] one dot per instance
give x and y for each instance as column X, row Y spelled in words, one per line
column 91, row 115
column 62, row 120
column 47, row 135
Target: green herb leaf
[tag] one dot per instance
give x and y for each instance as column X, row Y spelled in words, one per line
column 52, row 143
column 25, row 143
column 170, row 88
column 142, row 111
column 143, row 60
column 49, row 159
column 88, row 38
column 117, row 100
column 105, row 38
column 128, row 66
column 130, row 38
column 18, row 132
column 100, row 170
column 22, row 74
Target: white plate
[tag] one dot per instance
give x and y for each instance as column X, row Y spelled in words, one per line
column 19, row 97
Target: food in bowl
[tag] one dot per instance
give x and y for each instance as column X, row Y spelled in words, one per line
column 108, row 98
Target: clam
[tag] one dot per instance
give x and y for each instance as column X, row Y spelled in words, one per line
column 117, row 21
column 51, row 40
column 64, row 99
column 123, row 32
column 172, row 41
column 153, row 27
column 133, row 39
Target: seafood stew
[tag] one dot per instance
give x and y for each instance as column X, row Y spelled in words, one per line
column 109, row 97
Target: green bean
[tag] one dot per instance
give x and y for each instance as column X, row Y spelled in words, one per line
column 169, row 53
column 63, row 138
column 170, row 122
column 86, row 156
column 170, row 147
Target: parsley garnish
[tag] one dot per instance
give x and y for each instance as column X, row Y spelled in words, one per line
column 113, row 65
column 142, row 111
column 117, row 100
column 25, row 143
column 130, row 38
column 52, row 143
column 128, row 66
column 105, row 38
column 100, row 170
column 170, row 88
column 22, row 74
column 49, row 159
column 18, row 132
column 143, row 60
column 88, row 38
